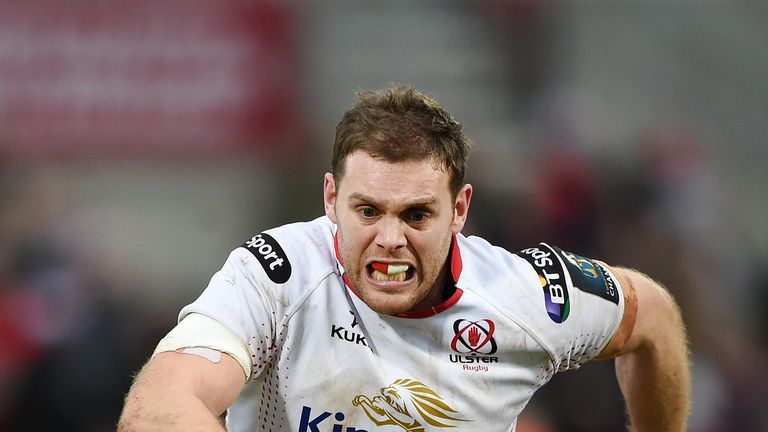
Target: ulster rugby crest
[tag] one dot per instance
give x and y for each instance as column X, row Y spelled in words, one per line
column 474, row 344
column 474, row 337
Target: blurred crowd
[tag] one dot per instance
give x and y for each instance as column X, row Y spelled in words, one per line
column 69, row 341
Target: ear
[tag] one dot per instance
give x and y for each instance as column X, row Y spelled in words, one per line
column 329, row 196
column 461, row 207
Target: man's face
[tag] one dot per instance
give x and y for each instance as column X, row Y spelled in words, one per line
column 395, row 224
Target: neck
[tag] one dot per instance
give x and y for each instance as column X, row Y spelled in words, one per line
column 440, row 292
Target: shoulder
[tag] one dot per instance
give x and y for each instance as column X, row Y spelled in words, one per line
column 290, row 252
column 577, row 303
column 543, row 265
column 487, row 267
column 563, row 300
column 481, row 259
column 559, row 273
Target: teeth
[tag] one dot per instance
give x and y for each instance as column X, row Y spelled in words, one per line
column 379, row 276
column 389, row 272
column 396, row 268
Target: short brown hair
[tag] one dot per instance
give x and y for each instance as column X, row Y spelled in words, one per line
column 398, row 124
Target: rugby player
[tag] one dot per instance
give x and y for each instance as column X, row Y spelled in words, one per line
column 380, row 315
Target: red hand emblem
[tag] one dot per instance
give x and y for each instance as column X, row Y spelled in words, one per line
column 474, row 336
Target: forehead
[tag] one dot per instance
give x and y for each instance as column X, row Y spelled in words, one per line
column 365, row 174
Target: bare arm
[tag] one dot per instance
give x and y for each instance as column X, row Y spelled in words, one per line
column 652, row 364
column 181, row 392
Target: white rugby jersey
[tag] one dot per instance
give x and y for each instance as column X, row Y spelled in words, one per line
column 325, row 362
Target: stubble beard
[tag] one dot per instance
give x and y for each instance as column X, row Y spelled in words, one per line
column 432, row 274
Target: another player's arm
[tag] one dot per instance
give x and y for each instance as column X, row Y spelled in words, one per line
column 651, row 350
column 181, row 392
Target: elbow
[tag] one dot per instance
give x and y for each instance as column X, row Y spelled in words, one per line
column 659, row 321
column 668, row 326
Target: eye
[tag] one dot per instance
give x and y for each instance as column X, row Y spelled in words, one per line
column 367, row 212
column 417, row 216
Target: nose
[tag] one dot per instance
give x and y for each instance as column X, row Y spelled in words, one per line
column 391, row 234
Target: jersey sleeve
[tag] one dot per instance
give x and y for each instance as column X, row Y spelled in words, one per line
column 576, row 304
column 201, row 335
column 240, row 299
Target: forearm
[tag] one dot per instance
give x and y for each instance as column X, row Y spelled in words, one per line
column 171, row 394
column 655, row 378
column 166, row 413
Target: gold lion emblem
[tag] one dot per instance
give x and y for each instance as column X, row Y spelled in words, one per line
column 401, row 402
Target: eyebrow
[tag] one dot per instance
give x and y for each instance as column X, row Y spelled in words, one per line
column 419, row 202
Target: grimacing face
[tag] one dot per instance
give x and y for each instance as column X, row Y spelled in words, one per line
column 395, row 225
